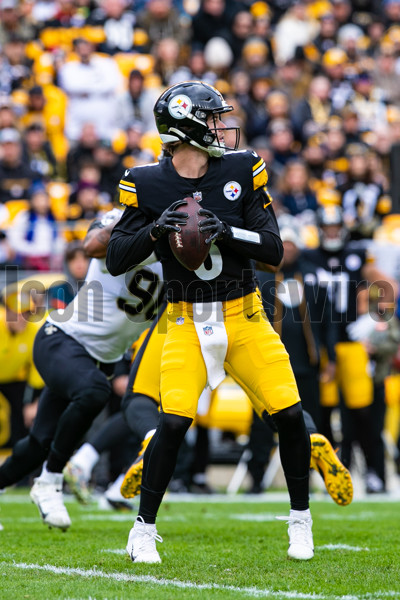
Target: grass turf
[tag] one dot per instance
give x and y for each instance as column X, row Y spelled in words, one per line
column 212, row 549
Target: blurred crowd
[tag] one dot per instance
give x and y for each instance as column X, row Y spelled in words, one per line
column 315, row 86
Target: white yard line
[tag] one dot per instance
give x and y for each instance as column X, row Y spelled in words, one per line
column 251, row 591
column 342, row 547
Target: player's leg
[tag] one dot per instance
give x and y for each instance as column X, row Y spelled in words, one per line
column 88, row 390
column 78, row 471
column 258, row 361
column 30, row 452
column 183, row 378
column 357, row 389
column 140, row 403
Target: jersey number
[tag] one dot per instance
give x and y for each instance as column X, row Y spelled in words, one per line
column 143, row 286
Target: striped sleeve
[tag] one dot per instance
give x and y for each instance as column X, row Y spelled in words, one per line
column 127, row 190
column 260, row 175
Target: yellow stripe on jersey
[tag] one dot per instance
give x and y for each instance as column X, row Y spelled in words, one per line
column 260, row 175
column 127, row 193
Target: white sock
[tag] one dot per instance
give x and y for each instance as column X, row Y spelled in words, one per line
column 301, row 514
column 149, row 433
column 86, row 458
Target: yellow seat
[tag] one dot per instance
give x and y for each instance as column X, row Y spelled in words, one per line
column 14, row 207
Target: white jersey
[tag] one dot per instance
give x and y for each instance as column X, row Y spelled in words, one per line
column 109, row 313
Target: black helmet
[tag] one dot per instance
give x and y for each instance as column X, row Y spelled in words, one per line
column 331, row 214
column 181, row 116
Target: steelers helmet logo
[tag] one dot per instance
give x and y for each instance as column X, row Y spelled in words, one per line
column 180, row 106
column 232, row 190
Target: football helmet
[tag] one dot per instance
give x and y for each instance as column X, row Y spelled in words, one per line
column 181, row 116
column 331, row 241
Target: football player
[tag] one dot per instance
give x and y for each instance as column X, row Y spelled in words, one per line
column 215, row 317
column 346, row 270
column 75, row 352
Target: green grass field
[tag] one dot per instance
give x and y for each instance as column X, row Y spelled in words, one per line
column 213, row 548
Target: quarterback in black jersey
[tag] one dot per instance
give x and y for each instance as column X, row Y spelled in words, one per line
column 216, row 322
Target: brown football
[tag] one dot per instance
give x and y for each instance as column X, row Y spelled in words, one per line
column 188, row 245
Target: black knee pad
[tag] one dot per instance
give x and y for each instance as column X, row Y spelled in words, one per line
column 292, row 413
column 174, row 425
column 141, row 413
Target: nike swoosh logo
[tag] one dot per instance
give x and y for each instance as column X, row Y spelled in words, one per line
column 252, row 314
column 266, row 204
column 127, row 173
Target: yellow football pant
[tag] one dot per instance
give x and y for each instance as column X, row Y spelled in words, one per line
column 256, row 359
column 352, row 378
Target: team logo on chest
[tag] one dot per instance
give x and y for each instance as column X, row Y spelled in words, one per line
column 232, row 190
column 180, row 106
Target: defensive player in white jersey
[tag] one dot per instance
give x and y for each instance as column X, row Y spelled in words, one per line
column 75, row 352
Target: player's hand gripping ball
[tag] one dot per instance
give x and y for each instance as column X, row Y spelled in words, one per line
column 189, row 244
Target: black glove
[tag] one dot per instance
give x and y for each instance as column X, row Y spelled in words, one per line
column 169, row 220
column 217, row 228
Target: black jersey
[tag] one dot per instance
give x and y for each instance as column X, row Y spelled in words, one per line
column 341, row 273
column 234, row 189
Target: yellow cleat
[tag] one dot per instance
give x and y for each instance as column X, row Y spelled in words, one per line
column 130, row 486
column 336, row 477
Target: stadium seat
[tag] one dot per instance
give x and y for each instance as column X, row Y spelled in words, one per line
column 230, row 409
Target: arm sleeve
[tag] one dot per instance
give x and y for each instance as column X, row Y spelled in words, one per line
column 260, row 218
column 130, row 242
column 329, row 329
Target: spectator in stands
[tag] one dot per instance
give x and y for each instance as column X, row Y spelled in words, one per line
column 37, row 152
column 76, row 263
column 167, row 55
column 312, row 112
column 134, row 154
column 91, row 84
column 327, row 36
column 16, row 65
column 136, row 103
column 16, row 177
column 213, row 19
column 294, row 29
column 34, row 236
column 241, row 30
column 282, row 141
column 161, row 20
column 46, row 106
column 384, row 74
column 8, row 117
column 295, row 194
column 195, row 70
column 111, row 168
column 86, row 201
column 13, row 23
column 118, row 22
column 82, row 151
column 254, row 104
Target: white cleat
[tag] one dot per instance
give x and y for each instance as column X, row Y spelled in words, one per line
column 141, row 545
column 48, row 497
column 301, row 545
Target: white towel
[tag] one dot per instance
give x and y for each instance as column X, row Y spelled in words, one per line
column 210, row 328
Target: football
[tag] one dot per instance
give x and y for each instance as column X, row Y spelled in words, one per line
column 189, row 244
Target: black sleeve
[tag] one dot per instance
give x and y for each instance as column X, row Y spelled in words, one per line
column 130, row 242
column 329, row 329
column 260, row 218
